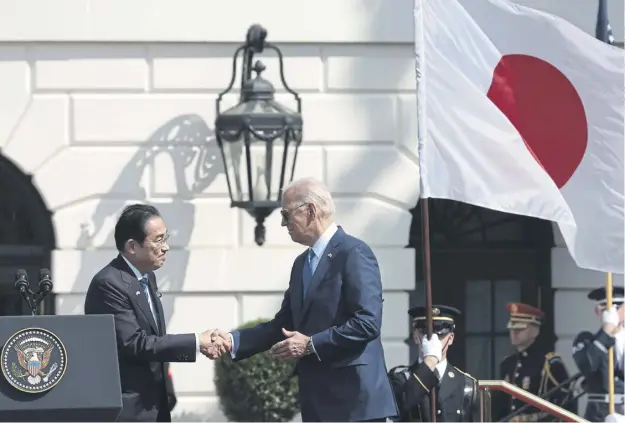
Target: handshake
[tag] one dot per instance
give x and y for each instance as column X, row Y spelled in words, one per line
column 214, row 343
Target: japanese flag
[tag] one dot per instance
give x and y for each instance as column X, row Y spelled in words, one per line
column 522, row 112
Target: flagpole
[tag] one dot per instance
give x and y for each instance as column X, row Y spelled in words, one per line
column 427, row 269
column 608, row 304
column 603, row 32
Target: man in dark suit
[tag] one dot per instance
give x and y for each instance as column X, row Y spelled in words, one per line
column 456, row 391
column 330, row 316
column 126, row 288
column 590, row 352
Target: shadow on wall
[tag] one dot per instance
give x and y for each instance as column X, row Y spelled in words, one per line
column 190, row 145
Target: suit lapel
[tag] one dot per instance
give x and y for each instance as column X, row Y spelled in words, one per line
column 296, row 290
column 322, row 268
column 135, row 292
column 449, row 382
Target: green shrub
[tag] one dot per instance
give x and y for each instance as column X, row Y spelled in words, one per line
column 258, row 389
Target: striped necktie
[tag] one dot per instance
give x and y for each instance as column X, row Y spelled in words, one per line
column 146, row 291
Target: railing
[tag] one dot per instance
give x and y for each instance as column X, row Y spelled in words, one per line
column 499, row 385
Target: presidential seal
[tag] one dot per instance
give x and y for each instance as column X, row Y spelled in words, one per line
column 33, row 360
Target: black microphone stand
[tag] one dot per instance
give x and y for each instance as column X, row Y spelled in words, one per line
column 34, row 299
column 29, row 296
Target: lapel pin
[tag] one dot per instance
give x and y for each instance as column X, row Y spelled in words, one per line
column 330, row 255
column 137, row 293
column 451, row 374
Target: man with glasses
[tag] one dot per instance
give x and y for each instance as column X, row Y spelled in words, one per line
column 330, row 317
column 456, row 391
column 126, row 288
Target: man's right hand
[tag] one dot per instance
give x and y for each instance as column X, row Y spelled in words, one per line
column 214, row 343
column 432, row 350
column 610, row 320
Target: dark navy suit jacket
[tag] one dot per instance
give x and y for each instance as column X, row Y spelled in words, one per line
column 143, row 347
column 347, row 379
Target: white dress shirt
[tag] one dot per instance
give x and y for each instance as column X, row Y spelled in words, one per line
column 139, row 276
column 320, row 246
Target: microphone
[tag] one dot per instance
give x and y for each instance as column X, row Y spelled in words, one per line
column 21, row 281
column 45, row 281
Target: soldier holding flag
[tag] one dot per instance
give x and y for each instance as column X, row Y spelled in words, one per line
column 455, row 391
column 590, row 352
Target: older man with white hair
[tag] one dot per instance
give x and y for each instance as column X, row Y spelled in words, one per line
column 330, row 316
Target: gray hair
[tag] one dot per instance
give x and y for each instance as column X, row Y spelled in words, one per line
column 310, row 190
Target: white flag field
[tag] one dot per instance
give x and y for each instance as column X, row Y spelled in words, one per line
column 522, row 112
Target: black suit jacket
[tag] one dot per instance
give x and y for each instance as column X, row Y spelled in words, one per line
column 144, row 349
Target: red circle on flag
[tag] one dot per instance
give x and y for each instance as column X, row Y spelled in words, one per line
column 545, row 108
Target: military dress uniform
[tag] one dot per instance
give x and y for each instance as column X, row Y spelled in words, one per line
column 536, row 370
column 590, row 352
column 456, row 391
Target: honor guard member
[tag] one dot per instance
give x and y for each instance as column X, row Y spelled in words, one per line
column 455, row 390
column 532, row 368
column 590, row 352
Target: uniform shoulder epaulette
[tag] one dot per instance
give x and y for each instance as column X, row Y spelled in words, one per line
column 466, row 374
column 553, row 357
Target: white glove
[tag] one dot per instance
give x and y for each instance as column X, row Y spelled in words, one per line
column 615, row 418
column 610, row 316
column 432, row 347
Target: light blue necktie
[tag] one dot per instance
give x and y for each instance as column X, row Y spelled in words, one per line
column 146, row 291
column 307, row 272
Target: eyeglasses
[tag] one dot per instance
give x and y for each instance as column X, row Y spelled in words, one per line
column 286, row 213
column 159, row 243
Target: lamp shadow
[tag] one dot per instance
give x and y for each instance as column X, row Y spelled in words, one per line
column 189, row 144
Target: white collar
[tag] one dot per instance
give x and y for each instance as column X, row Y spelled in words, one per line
column 320, row 246
column 134, row 269
column 440, row 368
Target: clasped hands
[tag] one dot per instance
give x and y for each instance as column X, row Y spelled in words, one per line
column 214, row 343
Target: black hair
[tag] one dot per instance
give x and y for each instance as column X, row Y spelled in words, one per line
column 131, row 224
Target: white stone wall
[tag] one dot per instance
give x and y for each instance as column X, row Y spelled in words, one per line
column 109, row 102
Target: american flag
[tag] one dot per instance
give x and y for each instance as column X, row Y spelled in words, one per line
column 603, row 30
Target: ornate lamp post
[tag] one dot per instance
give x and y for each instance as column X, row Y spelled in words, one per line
column 258, row 137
